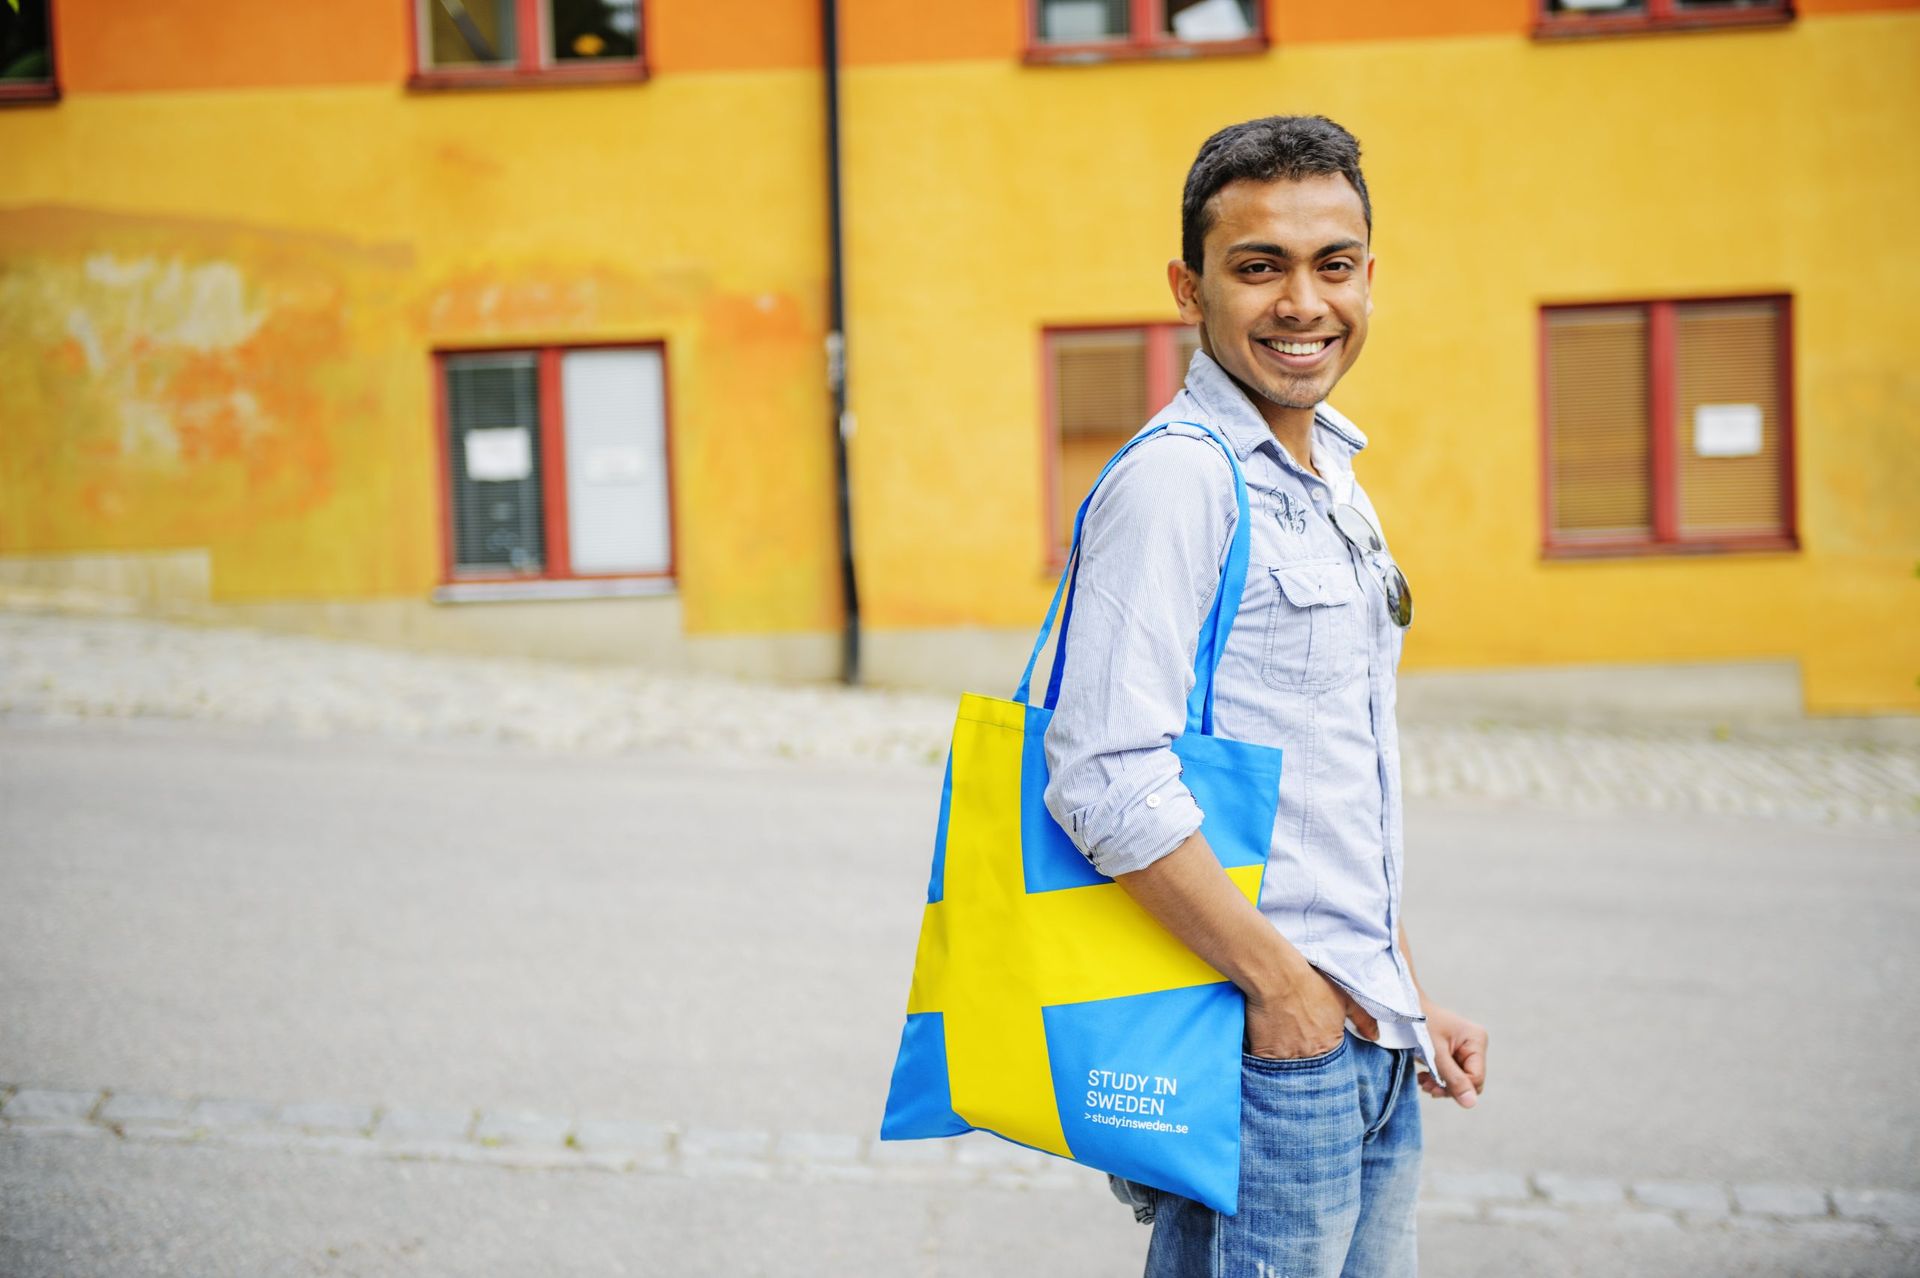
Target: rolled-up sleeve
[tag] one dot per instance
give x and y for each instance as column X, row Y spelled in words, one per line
column 1150, row 559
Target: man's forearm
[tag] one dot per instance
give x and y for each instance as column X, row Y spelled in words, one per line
column 1460, row 1067
column 1191, row 896
column 1406, row 955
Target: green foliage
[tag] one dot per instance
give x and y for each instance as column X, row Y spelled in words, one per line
column 29, row 66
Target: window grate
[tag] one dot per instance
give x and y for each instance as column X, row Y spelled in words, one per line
column 1104, row 384
column 493, row 420
column 1727, row 380
column 1599, row 438
column 1667, row 425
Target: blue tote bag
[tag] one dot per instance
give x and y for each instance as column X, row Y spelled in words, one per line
column 1047, row 1007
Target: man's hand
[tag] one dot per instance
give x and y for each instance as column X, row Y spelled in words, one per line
column 1309, row 1019
column 1460, row 1049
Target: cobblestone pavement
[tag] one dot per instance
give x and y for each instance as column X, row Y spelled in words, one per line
column 518, row 1139
column 78, row 667
column 57, row 667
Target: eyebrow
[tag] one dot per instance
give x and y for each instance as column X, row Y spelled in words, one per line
column 1281, row 251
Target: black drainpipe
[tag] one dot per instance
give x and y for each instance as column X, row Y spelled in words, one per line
column 837, row 347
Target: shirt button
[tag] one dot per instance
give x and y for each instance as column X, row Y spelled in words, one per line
column 1153, row 800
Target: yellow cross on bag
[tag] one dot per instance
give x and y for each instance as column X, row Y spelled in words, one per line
column 1041, row 993
column 992, row 954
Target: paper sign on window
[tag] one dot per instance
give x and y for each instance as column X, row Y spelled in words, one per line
column 1727, row 430
column 501, row 454
column 614, row 464
column 1212, row 20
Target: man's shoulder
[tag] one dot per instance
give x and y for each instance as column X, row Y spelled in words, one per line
column 1194, row 427
column 1172, row 436
column 1174, row 472
column 1175, row 457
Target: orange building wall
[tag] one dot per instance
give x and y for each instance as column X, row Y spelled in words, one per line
column 730, row 35
column 1396, row 19
column 112, row 46
column 884, row 31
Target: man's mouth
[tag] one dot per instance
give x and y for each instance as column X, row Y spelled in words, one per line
column 1298, row 351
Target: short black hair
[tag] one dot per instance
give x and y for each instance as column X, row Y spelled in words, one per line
column 1276, row 148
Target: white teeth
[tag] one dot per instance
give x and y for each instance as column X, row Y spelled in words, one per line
column 1299, row 348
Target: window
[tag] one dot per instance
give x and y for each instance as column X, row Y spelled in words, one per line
column 1102, row 385
column 1608, row 17
column 1668, row 426
column 494, row 42
column 1095, row 30
column 555, row 464
column 26, row 51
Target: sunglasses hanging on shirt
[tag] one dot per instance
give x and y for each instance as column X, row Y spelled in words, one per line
column 1365, row 538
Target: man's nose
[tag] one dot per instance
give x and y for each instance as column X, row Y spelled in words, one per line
column 1300, row 300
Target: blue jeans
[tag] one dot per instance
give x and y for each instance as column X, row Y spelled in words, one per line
column 1329, row 1175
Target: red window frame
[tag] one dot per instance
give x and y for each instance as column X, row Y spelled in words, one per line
column 1145, row 18
column 40, row 91
column 1655, row 15
column 1163, row 378
column 529, row 19
column 558, row 561
column 1666, row 537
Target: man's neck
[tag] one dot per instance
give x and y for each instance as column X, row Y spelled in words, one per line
column 1293, row 428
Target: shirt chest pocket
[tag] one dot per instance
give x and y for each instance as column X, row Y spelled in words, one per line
column 1315, row 640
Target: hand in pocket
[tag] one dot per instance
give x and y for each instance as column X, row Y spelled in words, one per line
column 1311, row 1020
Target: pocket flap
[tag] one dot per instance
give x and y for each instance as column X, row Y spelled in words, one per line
column 1312, row 585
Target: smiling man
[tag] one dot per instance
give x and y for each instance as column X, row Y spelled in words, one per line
column 1275, row 272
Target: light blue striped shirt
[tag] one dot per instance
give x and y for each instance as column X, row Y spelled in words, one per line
column 1310, row 667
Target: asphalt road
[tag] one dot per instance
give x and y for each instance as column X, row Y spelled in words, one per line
column 96, row 1209
column 190, row 911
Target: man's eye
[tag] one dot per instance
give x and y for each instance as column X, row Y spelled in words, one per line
column 1256, row 267
column 1338, row 267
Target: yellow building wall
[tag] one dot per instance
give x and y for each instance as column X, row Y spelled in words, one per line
column 217, row 310
column 989, row 200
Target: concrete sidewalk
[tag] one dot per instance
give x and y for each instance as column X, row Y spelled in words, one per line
column 80, row 1209
column 359, row 926
column 62, row 668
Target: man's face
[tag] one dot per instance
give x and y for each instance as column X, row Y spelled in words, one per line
column 1283, row 300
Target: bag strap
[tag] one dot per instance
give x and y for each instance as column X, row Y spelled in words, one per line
column 1212, row 644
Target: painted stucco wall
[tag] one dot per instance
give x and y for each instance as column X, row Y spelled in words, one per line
column 225, row 260
column 219, row 310
column 993, row 199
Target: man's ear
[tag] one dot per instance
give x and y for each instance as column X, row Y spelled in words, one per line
column 1370, row 284
column 1184, row 283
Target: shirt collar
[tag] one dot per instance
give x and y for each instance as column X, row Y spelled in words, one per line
column 1335, row 438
